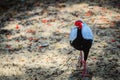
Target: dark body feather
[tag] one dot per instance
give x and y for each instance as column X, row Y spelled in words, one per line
column 82, row 44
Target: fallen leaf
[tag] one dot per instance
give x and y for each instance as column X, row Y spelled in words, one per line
column 89, row 13
column 8, row 46
column 44, row 21
column 112, row 23
column 39, row 47
column 113, row 40
column 94, row 58
column 112, row 26
column 30, row 39
column 30, row 31
column 51, row 20
column 17, row 27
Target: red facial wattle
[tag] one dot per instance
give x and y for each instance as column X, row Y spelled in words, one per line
column 78, row 24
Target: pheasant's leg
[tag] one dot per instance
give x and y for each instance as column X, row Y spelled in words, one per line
column 84, row 68
column 84, row 73
column 82, row 63
column 81, row 59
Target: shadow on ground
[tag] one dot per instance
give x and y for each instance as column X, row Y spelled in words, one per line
column 29, row 73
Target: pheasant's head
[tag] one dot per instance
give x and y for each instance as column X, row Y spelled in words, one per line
column 78, row 24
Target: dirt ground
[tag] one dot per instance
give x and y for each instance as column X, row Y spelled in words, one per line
column 34, row 42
